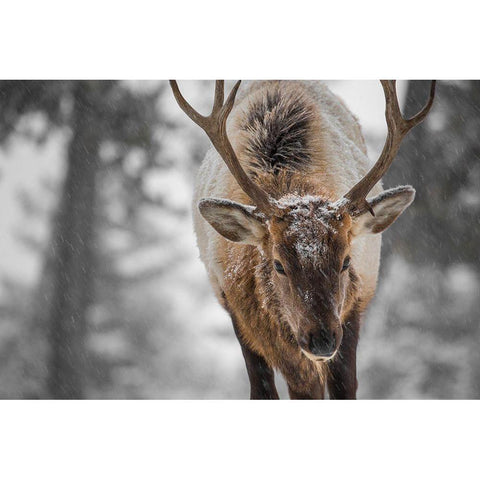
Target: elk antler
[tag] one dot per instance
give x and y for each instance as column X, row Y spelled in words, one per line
column 215, row 127
column 398, row 127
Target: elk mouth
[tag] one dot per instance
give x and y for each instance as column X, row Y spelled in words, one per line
column 318, row 358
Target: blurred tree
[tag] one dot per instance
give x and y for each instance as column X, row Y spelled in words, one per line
column 426, row 308
column 441, row 158
column 72, row 244
column 98, row 114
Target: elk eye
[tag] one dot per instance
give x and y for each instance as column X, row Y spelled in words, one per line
column 346, row 263
column 279, row 267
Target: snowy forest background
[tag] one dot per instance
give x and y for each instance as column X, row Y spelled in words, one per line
column 102, row 294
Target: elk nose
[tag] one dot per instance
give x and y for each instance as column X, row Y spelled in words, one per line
column 320, row 343
column 323, row 344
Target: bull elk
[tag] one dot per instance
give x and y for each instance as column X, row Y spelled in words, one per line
column 289, row 239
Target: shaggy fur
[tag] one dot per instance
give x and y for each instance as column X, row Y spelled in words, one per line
column 277, row 127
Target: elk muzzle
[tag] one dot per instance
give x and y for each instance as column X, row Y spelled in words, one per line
column 320, row 341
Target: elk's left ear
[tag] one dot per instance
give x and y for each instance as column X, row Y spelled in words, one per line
column 234, row 221
column 387, row 208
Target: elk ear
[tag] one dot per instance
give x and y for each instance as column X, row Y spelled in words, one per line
column 234, row 221
column 387, row 208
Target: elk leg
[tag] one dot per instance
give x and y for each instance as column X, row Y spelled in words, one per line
column 342, row 370
column 316, row 393
column 260, row 374
column 303, row 379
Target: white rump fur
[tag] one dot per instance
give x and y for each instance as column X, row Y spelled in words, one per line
column 342, row 162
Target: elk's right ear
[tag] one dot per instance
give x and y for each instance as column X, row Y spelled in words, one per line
column 387, row 208
column 234, row 221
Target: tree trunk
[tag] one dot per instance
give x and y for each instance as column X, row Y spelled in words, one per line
column 72, row 265
column 437, row 309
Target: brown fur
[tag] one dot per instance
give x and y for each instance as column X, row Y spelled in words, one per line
column 277, row 127
column 261, row 323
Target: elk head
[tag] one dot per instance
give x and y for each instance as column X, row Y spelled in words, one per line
column 305, row 241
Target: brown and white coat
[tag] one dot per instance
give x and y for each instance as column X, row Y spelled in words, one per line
column 297, row 276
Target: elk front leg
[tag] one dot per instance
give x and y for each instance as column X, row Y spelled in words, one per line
column 314, row 393
column 302, row 377
column 260, row 374
column 342, row 370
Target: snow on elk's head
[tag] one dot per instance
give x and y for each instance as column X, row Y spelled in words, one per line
column 305, row 247
column 306, row 241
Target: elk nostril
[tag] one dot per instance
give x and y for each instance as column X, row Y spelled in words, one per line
column 304, row 341
column 323, row 344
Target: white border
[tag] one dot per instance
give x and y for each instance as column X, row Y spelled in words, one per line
column 247, row 39
column 239, row 440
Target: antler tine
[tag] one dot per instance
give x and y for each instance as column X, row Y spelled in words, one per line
column 231, row 99
column 219, row 95
column 416, row 119
column 215, row 126
column 185, row 106
column 398, row 127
